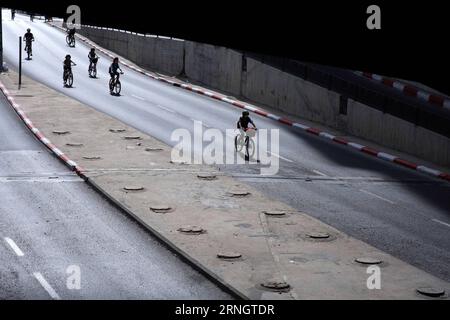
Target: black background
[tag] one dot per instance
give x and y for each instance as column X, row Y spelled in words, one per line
column 412, row 44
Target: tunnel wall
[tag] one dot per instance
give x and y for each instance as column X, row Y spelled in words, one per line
column 236, row 74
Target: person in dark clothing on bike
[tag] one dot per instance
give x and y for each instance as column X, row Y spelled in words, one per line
column 244, row 121
column 28, row 38
column 93, row 58
column 68, row 63
column 13, row 14
column 113, row 71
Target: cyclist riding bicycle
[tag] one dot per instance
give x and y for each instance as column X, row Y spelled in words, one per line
column 68, row 63
column 71, row 32
column 93, row 58
column 113, row 71
column 244, row 121
column 28, row 38
column 13, row 14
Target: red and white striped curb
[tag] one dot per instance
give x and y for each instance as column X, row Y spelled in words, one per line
column 71, row 164
column 409, row 90
column 314, row 131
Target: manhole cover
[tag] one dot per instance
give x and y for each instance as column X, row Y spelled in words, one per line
column 61, row 132
column 275, row 213
column 91, row 157
column 161, row 209
column 206, row 177
column 318, row 235
column 132, row 138
column 368, row 260
column 74, row 144
column 431, row 292
column 229, row 255
column 276, row 285
column 117, row 130
column 133, row 188
column 191, row 230
column 153, row 149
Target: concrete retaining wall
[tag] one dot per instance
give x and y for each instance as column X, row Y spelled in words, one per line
column 228, row 71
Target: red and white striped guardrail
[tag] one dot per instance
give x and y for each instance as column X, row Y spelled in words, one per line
column 409, row 90
column 71, row 164
column 314, row 131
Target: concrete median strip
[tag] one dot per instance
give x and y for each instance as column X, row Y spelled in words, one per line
column 230, row 232
column 178, row 83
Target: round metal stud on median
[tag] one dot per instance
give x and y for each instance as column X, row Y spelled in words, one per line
column 117, row 130
column 275, row 213
column 193, row 230
column 239, row 193
column 72, row 144
column 61, row 132
column 161, row 208
column 132, row 138
column 368, row 260
column 318, row 235
column 92, row 157
column 133, row 188
column 229, row 255
column 275, row 285
column 431, row 292
column 207, row 177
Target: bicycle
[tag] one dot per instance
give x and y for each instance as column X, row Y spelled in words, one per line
column 70, row 39
column 245, row 140
column 68, row 78
column 114, row 85
column 29, row 50
column 93, row 68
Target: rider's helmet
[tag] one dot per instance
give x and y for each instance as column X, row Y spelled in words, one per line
column 28, row 30
column 68, row 56
column 92, row 49
column 116, row 60
column 245, row 113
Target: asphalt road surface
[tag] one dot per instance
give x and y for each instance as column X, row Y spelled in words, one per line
column 397, row 210
column 54, row 227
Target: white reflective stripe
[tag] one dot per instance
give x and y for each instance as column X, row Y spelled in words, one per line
column 250, row 108
column 28, row 121
column 386, row 156
column 299, row 125
column 447, row 104
column 57, row 151
column 377, row 77
column 398, row 85
column 359, row 73
column 327, row 135
column 227, row 100
column 272, row 116
column 355, row 145
column 423, row 95
column 72, row 163
column 209, row 94
column 429, row 170
column 35, row 130
column 45, row 140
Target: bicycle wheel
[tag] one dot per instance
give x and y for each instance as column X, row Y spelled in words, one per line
column 94, row 72
column 68, row 40
column 70, row 80
column 238, row 143
column 250, row 148
column 117, row 88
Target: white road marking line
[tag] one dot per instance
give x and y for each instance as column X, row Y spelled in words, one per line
column 377, row 196
column 320, row 173
column 138, row 97
column 164, row 108
column 278, row 156
column 14, row 246
column 46, row 286
column 441, row 222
